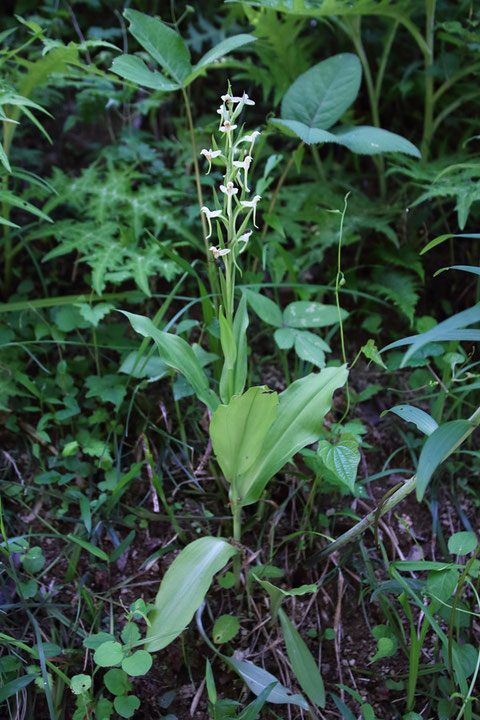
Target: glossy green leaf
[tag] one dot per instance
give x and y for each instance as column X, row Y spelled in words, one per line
column 304, row 314
column 184, row 587
column 341, row 458
column 424, row 422
column 437, row 448
column 257, row 679
column 133, row 68
column 299, row 422
column 163, row 43
column 238, row 432
column 266, row 309
column 178, row 354
column 320, row 96
column 301, row 659
column 462, row 543
column 366, row 140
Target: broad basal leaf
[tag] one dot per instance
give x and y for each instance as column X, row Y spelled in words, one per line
column 305, row 314
column 366, row 140
column 266, row 309
column 133, row 68
column 320, row 96
column 299, row 422
column 163, row 43
column 303, row 664
column 178, row 354
column 184, row 587
column 238, row 431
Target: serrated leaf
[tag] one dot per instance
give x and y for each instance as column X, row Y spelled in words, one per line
column 424, row 422
column 133, row 68
column 320, row 96
column 304, row 666
column 163, row 43
column 437, row 448
column 366, row 140
column 184, row 587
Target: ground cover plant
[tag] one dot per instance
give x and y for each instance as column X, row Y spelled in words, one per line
column 238, row 373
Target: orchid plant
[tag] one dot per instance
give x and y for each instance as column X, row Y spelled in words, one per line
column 234, row 212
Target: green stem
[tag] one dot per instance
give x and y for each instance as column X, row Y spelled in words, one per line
column 237, row 532
column 429, row 90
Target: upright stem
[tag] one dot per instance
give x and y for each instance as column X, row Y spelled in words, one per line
column 429, row 94
column 237, row 531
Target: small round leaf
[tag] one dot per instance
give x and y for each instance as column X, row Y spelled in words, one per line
column 462, row 543
column 125, row 705
column 108, row 654
column 117, row 682
column 225, row 628
column 137, row 664
column 80, row 684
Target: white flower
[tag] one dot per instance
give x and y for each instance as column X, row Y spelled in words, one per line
column 227, row 127
column 250, row 138
column 210, row 214
column 218, row 252
column 245, row 237
column 246, row 100
column 251, row 204
column 230, row 98
column 229, row 190
column 210, row 154
column 245, row 164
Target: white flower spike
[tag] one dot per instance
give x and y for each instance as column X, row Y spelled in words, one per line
column 218, row 252
column 210, row 154
column 210, row 214
column 230, row 98
column 252, row 204
column 246, row 100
